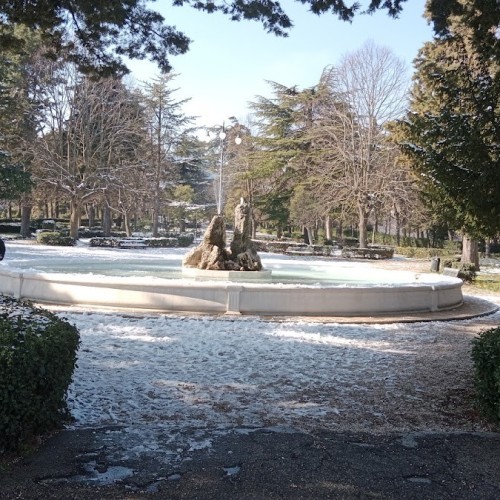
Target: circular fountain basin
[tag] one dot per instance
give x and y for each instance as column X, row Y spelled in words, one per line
column 297, row 287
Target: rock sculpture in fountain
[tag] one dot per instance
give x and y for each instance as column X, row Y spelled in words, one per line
column 211, row 254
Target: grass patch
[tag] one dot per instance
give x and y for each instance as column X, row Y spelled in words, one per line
column 490, row 282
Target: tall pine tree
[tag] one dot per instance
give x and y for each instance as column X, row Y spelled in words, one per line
column 451, row 133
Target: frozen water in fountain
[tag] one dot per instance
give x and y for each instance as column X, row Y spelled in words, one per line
column 137, row 279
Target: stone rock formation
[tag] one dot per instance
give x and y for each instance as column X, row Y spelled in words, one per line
column 211, row 253
column 243, row 254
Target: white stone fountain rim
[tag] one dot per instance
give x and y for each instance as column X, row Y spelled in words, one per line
column 429, row 293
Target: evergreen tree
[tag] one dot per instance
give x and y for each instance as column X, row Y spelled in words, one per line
column 22, row 80
column 452, row 131
column 282, row 148
column 14, row 180
column 167, row 125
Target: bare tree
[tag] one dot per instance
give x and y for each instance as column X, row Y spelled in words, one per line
column 86, row 135
column 353, row 162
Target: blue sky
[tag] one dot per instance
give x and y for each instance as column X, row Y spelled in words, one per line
column 229, row 62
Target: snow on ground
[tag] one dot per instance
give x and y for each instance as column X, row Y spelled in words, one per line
column 170, row 379
column 204, row 372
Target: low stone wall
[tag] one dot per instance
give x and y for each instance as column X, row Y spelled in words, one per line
column 113, row 242
column 373, row 253
column 293, row 248
column 426, row 293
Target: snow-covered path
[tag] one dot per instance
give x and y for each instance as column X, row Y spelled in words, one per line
column 207, row 373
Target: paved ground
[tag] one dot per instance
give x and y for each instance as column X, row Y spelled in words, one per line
column 263, row 464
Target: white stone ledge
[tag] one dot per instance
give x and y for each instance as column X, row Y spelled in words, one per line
column 429, row 293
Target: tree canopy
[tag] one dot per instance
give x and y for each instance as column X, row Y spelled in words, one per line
column 451, row 131
column 96, row 35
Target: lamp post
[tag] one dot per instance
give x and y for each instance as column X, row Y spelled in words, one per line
column 222, row 137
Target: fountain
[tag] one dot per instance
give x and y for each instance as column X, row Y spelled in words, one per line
column 214, row 279
column 211, row 258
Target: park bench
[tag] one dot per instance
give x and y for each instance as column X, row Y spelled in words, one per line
column 451, row 271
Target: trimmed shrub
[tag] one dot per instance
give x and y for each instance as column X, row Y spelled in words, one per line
column 421, row 253
column 104, row 242
column 54, row 239
column 452, row 262
column 486, row 357
column 373, row 253
column 185, row 240
column 467, row 272
column 13, row 228
column 37, row 360
column 162, row 242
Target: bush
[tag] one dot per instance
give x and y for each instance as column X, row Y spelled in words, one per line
column 452, row 262
column 486, row 356
column 368, row 253
column 420, row 253
column 104, row 242
column 162, row 242
column 185, row 240
column 37, row 360
column 12, row 228
column 467, row 272
column 54, row 239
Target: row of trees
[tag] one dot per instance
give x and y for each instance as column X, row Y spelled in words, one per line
column 327, row 149
column 344, row 149
column 91, row 143
column 98, row 143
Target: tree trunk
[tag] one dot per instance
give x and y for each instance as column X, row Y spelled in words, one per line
column 156, row 213
column 91, row 215
column 74, row 217
column 254, row 227
column 106, row 220
column 310, row 235
column 25, row 221
column 398, row 229
column 470, row 251
column 340, row 230
column 127, row 224
column 182, row 222
column 328, row 228
column 487, row 248
column 363, row 219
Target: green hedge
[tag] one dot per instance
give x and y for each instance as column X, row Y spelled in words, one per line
column 54, row 239
column 421, row 253
column 185, row 240
column 37, row 360
column 373, row 253
column 182, row 240
column 162, row 242
column 108, row 242
column 486, row 356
